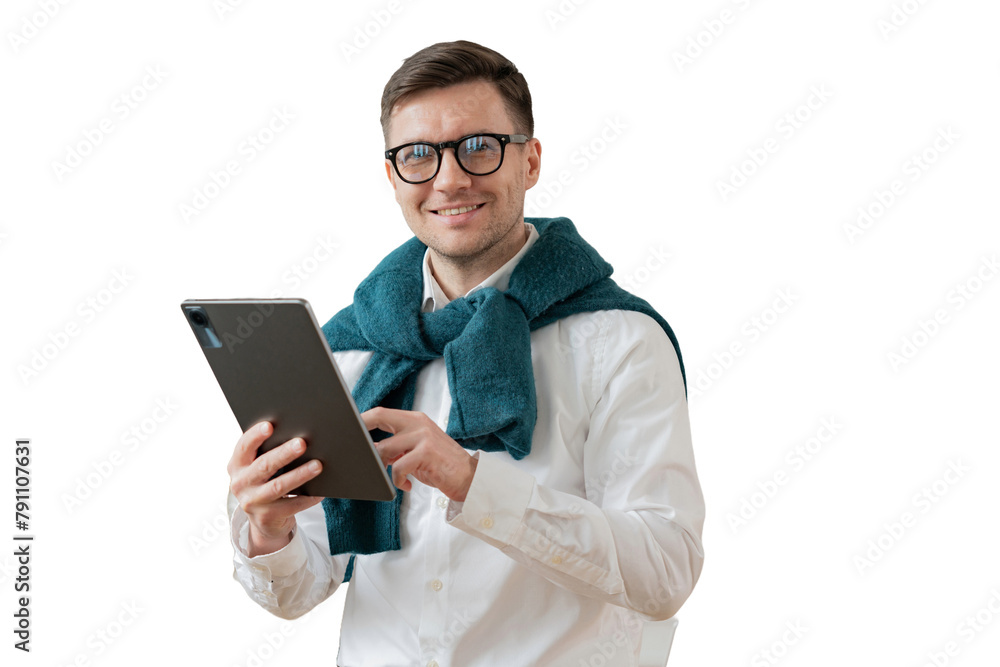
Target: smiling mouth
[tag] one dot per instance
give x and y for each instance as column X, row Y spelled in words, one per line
column 456, row 211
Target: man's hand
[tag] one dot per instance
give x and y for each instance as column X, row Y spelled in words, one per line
column 420, row 448
column 271, row 514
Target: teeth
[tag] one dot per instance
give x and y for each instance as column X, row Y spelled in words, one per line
column 458, row 211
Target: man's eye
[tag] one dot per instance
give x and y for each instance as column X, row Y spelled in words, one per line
column 415, row 153
column 475, row 145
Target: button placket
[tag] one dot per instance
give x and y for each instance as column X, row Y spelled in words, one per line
column 436, row 604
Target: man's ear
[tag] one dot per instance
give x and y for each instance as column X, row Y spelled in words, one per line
column 534, row 163
column 388, row 174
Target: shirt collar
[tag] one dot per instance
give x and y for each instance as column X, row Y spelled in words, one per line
column 434, row 297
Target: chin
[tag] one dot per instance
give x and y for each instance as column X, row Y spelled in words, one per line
column 454, row 251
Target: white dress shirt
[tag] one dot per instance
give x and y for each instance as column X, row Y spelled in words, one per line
column 554, row 560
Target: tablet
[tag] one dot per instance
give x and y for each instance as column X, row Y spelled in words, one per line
column 273, row 363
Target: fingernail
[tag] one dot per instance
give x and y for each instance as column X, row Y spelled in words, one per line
column 263, row 428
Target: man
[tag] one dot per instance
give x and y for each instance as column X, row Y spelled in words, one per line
column 534, row 414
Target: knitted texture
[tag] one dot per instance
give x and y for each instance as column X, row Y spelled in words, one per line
column 484, row 339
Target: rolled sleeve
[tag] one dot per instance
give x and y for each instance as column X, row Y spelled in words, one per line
column 496, row 502
column 294, row 579
column 280, row 563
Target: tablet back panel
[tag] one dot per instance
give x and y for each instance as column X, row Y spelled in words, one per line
column 273, row 363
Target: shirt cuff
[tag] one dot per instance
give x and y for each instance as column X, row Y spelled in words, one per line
column 496, row 502
column 281, row 563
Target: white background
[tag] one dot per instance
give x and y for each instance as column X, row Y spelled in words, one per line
column 662, row 135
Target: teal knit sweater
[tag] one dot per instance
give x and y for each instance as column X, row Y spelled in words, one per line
column 485, row 341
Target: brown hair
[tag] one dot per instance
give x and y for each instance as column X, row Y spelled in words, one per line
column 449, row 63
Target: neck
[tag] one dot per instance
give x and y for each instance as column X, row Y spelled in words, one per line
column 458, row 275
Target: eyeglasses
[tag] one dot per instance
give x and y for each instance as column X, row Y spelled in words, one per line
column 477, row 154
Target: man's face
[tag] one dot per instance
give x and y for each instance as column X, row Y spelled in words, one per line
column 447, row 114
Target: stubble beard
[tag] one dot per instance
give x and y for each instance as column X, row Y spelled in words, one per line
column 497, row 231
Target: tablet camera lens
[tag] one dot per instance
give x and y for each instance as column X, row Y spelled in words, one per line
column 198, row 318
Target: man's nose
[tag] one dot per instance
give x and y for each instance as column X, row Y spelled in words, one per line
column 451, row 176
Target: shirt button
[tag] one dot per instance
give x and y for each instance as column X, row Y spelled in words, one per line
column 437, row 585
column 556, row 560
column 442, row 502
column 432, row 663
column 486, row 523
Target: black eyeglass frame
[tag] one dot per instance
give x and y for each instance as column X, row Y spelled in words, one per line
column 504, row 139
